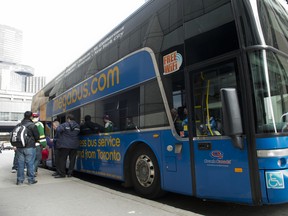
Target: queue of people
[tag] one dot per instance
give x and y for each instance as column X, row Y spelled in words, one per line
column 65, row 144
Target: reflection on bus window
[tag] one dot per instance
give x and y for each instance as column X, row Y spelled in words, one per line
column 271, row 91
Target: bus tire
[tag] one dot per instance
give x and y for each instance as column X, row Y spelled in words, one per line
column 145, row 173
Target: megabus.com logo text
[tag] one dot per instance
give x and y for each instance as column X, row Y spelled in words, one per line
column 89, row 88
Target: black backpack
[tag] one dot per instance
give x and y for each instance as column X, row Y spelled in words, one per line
column 19, row 136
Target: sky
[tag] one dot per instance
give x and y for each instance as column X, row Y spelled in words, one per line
column 58, row 32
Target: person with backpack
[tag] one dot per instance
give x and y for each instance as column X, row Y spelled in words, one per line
column 67, row 144
column 26, row 153
column 41, row 143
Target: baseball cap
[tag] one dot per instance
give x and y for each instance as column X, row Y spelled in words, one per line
column 35, row 115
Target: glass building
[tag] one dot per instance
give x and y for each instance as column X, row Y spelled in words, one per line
column 17, row 81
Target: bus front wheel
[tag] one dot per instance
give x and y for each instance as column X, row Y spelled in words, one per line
column 145, row 173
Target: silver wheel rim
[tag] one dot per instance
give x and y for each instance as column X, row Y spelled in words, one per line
column 144, row 170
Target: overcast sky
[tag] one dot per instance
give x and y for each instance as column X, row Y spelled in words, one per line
column 57, row 32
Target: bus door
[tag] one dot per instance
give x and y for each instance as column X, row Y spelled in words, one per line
column 221, row 169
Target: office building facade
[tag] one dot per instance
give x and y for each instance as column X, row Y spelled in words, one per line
column 17, row 81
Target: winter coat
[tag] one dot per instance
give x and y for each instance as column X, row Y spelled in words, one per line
column 33, row 133
column 41, row 131
column 68, row 135
column 90, row 128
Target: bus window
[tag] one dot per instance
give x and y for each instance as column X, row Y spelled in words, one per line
column 119, row 108
column 140, row 107
column 174, row 85
column 207, row 102
column 151, row 109
column 90, row 109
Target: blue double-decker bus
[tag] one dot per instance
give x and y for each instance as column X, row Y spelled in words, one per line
column 198, row 95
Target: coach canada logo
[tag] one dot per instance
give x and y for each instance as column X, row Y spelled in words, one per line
column 217, row 159
column 217, row 154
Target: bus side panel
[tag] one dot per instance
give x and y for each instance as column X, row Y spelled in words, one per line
column 222, row 171
column 103, row 155
column 176, row 165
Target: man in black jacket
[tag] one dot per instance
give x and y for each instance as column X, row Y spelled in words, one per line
column 26, row 155
column 89, row 127
column 67, row 144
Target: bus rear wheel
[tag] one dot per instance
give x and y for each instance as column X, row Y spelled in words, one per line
column 145, row 173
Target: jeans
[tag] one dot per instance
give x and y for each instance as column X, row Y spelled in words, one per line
column 38, row 157
column 15, row 162
column 25, row 156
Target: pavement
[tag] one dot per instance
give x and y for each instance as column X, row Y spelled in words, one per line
column 69, row 196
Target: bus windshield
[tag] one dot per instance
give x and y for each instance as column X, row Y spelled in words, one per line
column 270, row 90
column 270, row 70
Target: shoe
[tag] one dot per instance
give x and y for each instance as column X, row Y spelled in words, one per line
column 13, row 171
column 33, row 182
column 55, row 174
column 69, row 175
column 19, row 183
column 59, row 176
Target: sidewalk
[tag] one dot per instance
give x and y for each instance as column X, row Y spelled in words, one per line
column 8, row 179
column 69, row 196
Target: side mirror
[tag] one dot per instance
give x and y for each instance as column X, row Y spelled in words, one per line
column 232, row 122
